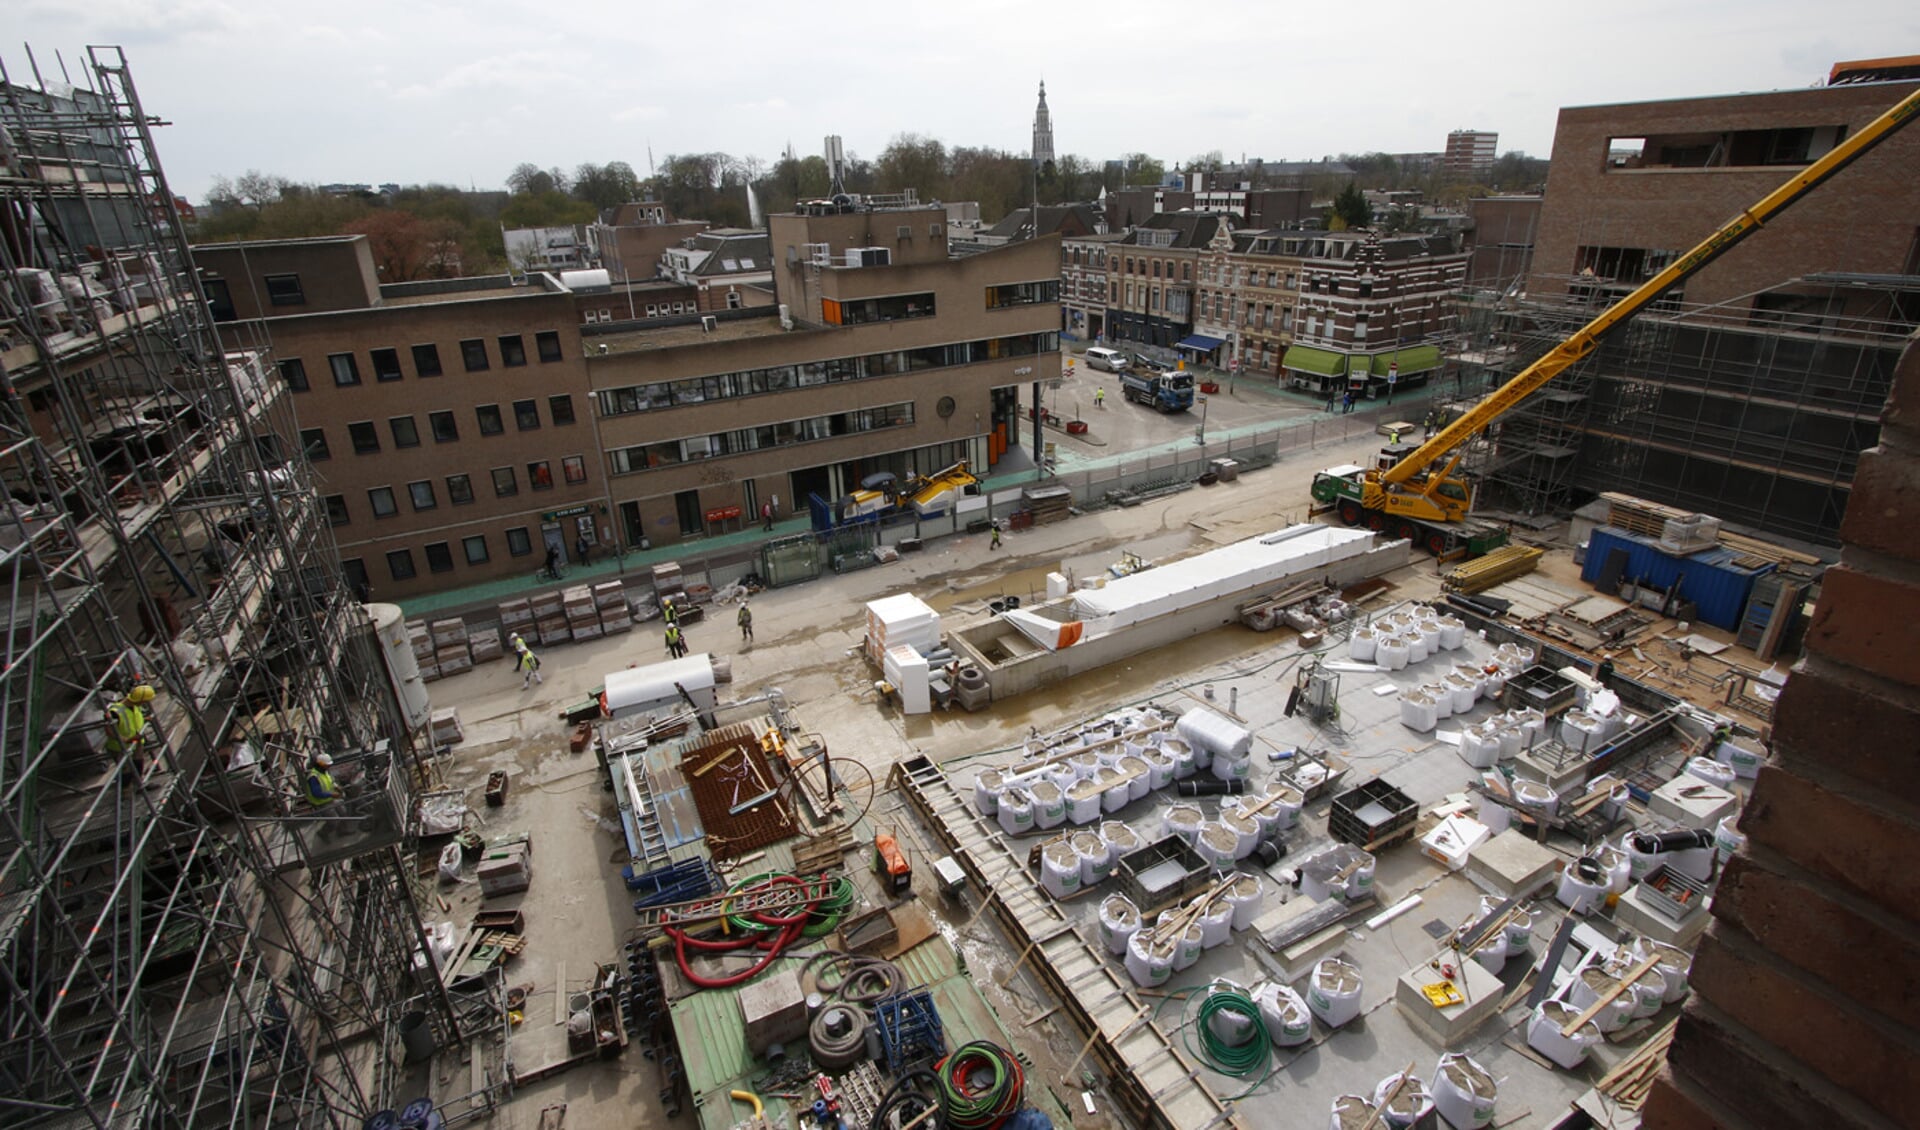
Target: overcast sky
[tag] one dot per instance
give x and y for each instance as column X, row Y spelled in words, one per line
column 400, row 90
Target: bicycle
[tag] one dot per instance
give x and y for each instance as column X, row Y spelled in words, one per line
column 550, row 573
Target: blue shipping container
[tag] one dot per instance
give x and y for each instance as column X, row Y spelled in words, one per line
column 1717, row 587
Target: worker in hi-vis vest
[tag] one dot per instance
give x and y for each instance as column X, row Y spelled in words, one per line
column 321, row 790
column 127, row 720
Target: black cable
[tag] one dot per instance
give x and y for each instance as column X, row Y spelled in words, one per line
column 908, row 1104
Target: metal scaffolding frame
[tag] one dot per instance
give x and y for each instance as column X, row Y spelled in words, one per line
column 183, row 940
column 1754, row 409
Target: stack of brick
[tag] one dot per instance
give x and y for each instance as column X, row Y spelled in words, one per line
column 420, row 637
column 485, row 644
column 610, row 600
column 444, row 728
column 1806, row 1004
column 517, row 616
column 583, row 619
column 549, row 620
column 450, row 646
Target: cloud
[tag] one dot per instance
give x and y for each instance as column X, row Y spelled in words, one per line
column 521, row 70
column 774, row 105
column 639, row 113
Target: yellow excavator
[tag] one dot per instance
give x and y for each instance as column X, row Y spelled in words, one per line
column 1412, row 498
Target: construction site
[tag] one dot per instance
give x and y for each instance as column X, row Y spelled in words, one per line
column 1235, row 802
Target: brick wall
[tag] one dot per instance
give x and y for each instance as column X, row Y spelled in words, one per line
column 1806, row 1009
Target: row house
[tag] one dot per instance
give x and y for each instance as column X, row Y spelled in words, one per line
column 1371, row 311
column 1085, row 288
column 1151, row 275
column 1249, row 287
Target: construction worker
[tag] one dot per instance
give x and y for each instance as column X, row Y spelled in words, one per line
column 676, row 643
column 1100, row 397
column 995, row 543
column 527, row 663
column 1604, row 672
column 127, row 721
column 745, row 620
column 667, row 610
column 321, row 791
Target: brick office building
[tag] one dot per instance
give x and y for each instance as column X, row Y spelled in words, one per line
column 1749, row 392
column 459, row 428
column 1372, row 311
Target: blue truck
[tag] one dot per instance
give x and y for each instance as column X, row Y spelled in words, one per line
column 1166, row 391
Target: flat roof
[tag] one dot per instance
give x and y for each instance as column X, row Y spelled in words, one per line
column 435, row 297
column 673, row 337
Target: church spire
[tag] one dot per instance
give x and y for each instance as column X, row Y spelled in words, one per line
column 1042, row 130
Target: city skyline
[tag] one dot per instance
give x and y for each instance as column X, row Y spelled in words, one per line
column 487, row 93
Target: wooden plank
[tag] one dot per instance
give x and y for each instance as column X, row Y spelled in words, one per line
column 560, row 992
column 1607, row 998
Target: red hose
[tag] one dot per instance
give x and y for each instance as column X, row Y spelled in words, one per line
column 788, row 931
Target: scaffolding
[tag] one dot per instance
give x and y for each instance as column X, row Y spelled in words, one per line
column 1755, row 409
column 184, row 941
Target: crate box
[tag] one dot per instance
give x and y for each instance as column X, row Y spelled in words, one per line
column 445, row 726
column 449, row 632
column 588, row 631
column 516, row 613
column 1372, row 816
column 546, row 604
column 486, row 646
column 610, row 594
column 508, row 873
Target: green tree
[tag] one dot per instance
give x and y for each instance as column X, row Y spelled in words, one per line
column 545, row 210
column 1350, row 210
column 913, row 162
column 1142, row 169
column 606, row 186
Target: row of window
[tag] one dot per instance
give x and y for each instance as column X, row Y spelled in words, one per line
column 439, row 555
column 383, row 502
column 1224, row 276
column 1152, row 266
column 753, row 382
column 1023, row 294
column 1087, row 257
column 628, row 459
column 365, row 436
column 345, row 367
column 653, row 310
column 860, row 311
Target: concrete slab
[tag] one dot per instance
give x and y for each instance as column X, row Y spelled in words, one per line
column 1511, row 865
column 1449, row 1026
column 1692, row 803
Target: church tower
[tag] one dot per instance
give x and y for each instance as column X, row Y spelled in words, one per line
column 1042, row 132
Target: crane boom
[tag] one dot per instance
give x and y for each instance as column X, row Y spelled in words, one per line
column 1584, row 340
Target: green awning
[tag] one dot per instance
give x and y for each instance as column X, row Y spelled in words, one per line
column 1306, row 359
column 1412, row 359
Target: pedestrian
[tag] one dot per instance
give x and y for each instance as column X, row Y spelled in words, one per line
column 995, row 543
column 1346, row 403
column 1333, row 399
column 1429, row 423
column 321, row 790
column 776, row 507
column 581, row 547
column 676, row 643
column 127, row 722
column 553, row 562
column 528, row 664
column 745, row 620
column 1100, row 398
column 766, row 514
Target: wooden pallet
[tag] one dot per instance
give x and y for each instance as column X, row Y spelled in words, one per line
column 826, row 852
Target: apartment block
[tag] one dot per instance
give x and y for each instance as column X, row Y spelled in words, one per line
column 1085, row 291
column 1249, row 291
column 1373, row 311
column 1470, row 152
column 1154, row 266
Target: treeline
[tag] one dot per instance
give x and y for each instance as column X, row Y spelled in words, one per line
column 436, row 230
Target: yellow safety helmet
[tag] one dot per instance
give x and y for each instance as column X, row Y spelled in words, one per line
column 140, row 694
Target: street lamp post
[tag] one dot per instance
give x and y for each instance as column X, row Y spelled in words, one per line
column 1200, row 437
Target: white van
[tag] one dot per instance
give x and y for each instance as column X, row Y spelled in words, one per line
column 1100, row 357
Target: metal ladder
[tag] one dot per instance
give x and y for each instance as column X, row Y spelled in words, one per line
column 781, row 900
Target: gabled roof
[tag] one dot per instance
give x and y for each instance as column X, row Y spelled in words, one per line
column 1190, row 229
column 1018, row 224
column 733, row 252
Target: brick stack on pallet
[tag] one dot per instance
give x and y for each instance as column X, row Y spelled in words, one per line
column 1048, row 504
column 450, row 646
column 610, row 599
column 421, row 638
column 583, row 619
column 517, row 616
column 444, row 728
column 549, row 619
column 485, row 644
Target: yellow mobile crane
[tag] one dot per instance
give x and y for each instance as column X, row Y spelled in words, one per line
column 1429, row 506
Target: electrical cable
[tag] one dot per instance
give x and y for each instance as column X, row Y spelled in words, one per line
column 902, row 1104
column 836, row 1053
column 967, row 1102
column 861, row 980
column 1247, row 1059
column 766, row 930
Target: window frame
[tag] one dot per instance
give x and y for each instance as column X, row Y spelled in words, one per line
column 279, row 295
column 337, row 515
column 307, row 438
column 443, row 415
column 523, row 410
column 513, row 351
column 373, row 502
column 540, row 474
column 387, row 375
column 465, row 488
column 513, row 482
column 372, row 433
column 499, row 421
column 426, row 360
column 413, row 495
column 444, row 564
column 293, row 370
column 352, row 369
column 393, row 427
column 473, row 347
column 394, row 558
column 554, row 403
column 519, row 534
column 545, row 338
column 467, row 546
column 573, row 469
